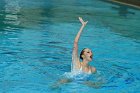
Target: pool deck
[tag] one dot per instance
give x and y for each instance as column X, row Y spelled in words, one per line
column 132, row 3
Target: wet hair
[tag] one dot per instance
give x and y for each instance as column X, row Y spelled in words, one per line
column 82, row 52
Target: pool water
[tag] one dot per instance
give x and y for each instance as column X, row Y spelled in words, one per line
column 36, row 41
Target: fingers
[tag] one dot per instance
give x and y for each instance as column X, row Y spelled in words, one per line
column 82, row 21
column 80, row 18
column 86, row 22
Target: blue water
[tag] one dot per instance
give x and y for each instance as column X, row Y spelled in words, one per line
column 36, row 40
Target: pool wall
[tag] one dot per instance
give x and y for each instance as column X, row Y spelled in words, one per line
column 134, row 3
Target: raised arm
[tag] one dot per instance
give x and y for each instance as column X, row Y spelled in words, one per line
column 75, row 58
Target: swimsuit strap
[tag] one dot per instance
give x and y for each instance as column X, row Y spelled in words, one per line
column 89, row 70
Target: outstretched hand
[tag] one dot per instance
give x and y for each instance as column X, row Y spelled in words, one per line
column 82, row 21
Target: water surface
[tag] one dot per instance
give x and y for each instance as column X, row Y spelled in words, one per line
column 36, row 40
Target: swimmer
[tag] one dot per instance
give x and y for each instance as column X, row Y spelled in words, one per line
column 86, row 54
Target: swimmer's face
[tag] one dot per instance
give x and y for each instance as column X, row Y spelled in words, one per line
column 87, row 55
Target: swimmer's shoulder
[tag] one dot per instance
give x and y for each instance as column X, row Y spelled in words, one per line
column 93, row 69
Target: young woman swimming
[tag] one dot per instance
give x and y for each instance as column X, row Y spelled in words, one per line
column 77, row 66
column 86, row 54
